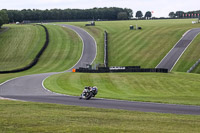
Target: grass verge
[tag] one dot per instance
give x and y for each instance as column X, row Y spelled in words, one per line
column 36, row 117
column 175, row 88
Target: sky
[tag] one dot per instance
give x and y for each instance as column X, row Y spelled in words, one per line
column 161, row 8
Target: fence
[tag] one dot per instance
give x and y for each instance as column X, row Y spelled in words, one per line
column 105, row 49
column 34, row 62
column 194, row 66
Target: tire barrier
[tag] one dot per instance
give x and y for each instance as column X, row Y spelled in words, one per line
column 36, row 59
column 194, row 66
column 122, row 69
column 105, row 49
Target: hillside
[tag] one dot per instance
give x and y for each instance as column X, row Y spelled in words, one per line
column 19, row 45
column 145, row 47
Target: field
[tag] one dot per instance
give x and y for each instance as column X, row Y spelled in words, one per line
column 19, row 46
column 175, row 88
column 144, row 47
column 36, row 117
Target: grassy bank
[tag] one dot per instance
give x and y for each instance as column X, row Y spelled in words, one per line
column 35, row 117
column 175, row 88
column 64, row 50
column 19, row 45
column 144, row 47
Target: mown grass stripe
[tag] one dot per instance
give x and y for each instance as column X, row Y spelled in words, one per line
column 176, row 88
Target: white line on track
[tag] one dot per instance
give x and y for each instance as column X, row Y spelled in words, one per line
column 173, row 47
column 183, row 52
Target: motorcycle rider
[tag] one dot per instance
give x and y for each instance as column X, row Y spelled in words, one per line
column 85, row 91
column 88, row 89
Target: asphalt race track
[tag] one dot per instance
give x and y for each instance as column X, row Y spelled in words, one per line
column 176, row 52
column 29, row 88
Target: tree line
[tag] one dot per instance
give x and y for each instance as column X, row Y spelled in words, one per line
column 181, row 14
column 139, row 15
column 112, row 13
column 3, row 18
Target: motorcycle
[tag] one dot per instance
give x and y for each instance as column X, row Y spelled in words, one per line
column 89, row 92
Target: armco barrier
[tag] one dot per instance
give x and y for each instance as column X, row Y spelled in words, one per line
column 108, row 70
column 34, row 62
column 105, row 49
column 194, row 66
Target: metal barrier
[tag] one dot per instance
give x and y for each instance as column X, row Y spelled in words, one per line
column 194, row 66
column 105, row 49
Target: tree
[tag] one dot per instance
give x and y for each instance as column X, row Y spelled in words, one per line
column 122, row 16
column 3, row 17
column 179, row 14
column 148, row 15
column 171, row 14
column 129, row 12
column 1, row 21
column 139, row 14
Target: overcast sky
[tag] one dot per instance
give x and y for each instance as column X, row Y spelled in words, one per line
column 161, row 8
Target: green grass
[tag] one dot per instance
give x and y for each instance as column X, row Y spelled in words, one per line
column 36, row 117
column 175, row 88
column 19, row 46
column 63, row 52
column 145, row 47
column 190, row 57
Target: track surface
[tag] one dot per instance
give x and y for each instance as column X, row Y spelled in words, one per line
column 29, row 88
column 176, row 52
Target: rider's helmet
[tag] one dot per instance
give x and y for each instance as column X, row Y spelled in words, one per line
column 95, row 88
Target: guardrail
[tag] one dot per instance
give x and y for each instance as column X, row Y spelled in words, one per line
column 34, row 62
column 105, row 49
column 194, row 66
